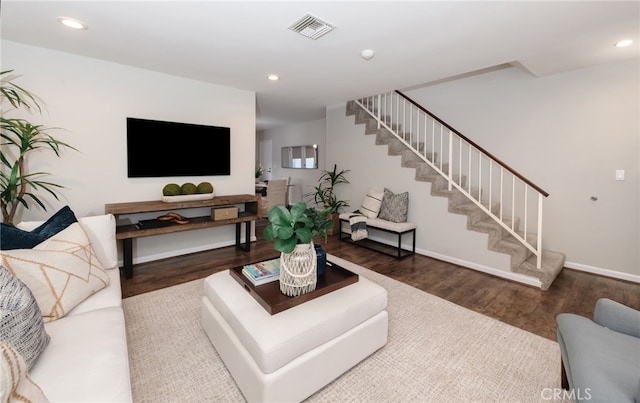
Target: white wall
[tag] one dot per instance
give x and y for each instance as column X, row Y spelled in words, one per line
column 91, row 99
column 567, row 132
column 307, row 133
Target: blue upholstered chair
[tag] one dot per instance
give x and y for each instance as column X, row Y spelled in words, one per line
column 601, row 357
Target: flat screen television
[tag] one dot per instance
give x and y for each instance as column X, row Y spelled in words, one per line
column 162, row 149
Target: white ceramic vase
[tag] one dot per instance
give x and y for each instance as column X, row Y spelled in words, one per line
column 298, row 270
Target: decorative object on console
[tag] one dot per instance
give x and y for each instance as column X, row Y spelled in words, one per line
column 20, row 139
column 184, row 198
column 61, row 272
column 324, row 194
column 394, row 207
column 172, row 192
column 174, row 217
column 293, row 231
column 224, row 213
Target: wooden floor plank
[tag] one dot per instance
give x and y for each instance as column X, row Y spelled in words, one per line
column 519, row 305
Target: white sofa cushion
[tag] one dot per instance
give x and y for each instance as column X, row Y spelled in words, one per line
column 275, row 340
column 384, row 224
column 61, row 272
column 87, row 359
column 101, row 230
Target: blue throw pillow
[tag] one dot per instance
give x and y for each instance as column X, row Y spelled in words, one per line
column 15, row 238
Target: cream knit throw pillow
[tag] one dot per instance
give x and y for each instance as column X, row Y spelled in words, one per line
column 61, row 272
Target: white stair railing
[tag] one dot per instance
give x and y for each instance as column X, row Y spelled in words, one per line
column 502, row 193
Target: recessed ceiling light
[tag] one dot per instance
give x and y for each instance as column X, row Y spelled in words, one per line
column 623, row 43
column 72, row 23
column 273, row 77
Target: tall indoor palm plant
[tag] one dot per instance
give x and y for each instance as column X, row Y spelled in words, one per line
column 20, row 138
column 324, row 194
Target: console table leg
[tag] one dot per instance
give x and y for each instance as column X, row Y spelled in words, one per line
column 247, row 240
column 127, row 257
column 247, row 236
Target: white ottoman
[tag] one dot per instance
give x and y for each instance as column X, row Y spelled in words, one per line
column 291, row 355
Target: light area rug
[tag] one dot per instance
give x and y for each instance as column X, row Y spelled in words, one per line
column 436, row 352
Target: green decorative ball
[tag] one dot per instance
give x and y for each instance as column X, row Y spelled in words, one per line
column 188, row 188
column 205, row 187
column 171, row 189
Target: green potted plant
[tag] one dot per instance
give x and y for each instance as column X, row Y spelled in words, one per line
column 259, row 172
column 293, row 231
column 324, row 194
column 19, row 139
column 296, row 225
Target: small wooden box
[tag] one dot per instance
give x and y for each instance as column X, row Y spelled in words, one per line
column 224, row 213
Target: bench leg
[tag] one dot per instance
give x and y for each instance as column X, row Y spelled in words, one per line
column 414, row 241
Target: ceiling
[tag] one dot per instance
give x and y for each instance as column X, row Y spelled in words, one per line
column 237, row 43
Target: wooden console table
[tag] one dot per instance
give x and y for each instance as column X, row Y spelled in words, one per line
column 126, row 233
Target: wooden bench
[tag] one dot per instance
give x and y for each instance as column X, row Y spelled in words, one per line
column 397, row 228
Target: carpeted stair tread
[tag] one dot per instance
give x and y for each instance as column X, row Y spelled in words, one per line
column 552, row 265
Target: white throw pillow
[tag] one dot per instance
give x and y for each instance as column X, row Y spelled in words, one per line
column 61, row 272
column 101, row 230
column 15, row 382
column 371, row 203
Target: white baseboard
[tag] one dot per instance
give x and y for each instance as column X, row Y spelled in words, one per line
column 603, row 272
column 520, row 278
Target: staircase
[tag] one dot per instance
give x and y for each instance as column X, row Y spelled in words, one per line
column 496, row 200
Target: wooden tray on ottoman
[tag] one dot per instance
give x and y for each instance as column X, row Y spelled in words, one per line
column 269, row 295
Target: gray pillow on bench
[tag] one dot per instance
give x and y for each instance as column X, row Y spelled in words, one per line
column 394, row 207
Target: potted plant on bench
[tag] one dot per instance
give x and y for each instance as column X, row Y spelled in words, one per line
column 324, row 194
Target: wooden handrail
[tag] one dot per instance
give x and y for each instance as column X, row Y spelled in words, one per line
column 493, row 157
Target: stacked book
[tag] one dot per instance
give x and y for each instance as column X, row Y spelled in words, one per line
column 262, row 272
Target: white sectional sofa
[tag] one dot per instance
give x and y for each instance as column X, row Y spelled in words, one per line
column 86, row 359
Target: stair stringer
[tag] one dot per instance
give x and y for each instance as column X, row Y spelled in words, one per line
column 499, row 240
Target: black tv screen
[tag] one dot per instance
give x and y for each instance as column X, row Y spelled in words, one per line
column 161, row 149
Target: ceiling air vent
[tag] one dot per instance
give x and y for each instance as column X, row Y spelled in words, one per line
column 311, row 27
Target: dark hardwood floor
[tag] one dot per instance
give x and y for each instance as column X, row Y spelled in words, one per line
column 523, row 306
